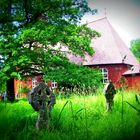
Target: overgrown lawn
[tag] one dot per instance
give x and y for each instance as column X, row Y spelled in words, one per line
column 74, row 118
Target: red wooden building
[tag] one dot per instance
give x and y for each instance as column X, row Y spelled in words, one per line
column 133, row 77
column 22, row 87
column 112, row 56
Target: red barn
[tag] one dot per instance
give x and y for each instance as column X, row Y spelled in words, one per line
column 112, row 56
column 133, row 77
column 21, row 87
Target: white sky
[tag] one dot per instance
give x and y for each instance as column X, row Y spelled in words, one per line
column 124, row 15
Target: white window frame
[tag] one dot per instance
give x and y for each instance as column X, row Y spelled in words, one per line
column 34, row 82
column 54, row 84
column 104, row 72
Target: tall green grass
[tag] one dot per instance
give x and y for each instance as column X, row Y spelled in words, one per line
column 75, row 117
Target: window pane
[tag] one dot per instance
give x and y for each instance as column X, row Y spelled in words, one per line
column 105, row 70
column 104, row 75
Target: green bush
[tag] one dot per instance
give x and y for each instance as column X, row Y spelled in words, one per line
column 24, row 89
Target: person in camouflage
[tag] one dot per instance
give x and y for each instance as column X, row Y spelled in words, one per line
column 42, row 100
column 109, row 92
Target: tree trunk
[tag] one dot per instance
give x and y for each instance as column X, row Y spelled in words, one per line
column 10, row 89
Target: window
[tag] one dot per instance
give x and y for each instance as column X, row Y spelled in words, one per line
column 34, row 82
column 104, row 72
column 54, row 84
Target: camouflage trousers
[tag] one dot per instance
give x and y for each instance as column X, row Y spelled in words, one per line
column 109, row 104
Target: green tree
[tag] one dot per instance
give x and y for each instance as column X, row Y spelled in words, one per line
column 70, row 75
column 29, row 31
column 135, row 48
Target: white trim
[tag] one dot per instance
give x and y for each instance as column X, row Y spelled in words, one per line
column 34, row 82
column 54, row 84
column 104, row 72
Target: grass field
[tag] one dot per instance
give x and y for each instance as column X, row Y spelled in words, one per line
column 74, row 118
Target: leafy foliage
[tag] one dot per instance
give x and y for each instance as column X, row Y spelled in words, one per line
column 71, row 75
column 30, row 30
column 24, row 89
column 135, row 48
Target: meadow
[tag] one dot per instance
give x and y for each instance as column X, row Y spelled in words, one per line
column 77, row 117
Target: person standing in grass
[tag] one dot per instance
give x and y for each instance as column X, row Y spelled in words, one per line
column 109, row 92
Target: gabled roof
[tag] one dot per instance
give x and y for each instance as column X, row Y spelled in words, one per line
column 109, row 48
